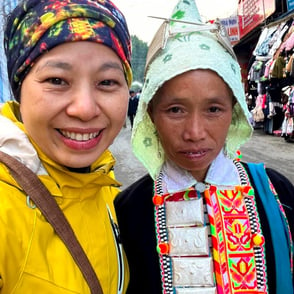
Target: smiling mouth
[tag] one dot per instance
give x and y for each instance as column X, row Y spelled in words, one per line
column 195, row 153
column 79, row 136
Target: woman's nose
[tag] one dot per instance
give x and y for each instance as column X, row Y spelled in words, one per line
column 84, row 104
column 194, row 128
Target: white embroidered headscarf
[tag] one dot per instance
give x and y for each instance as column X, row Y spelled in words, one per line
column 185, row 43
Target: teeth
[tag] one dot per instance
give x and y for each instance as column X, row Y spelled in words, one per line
column 191, row 153
column 78, row 136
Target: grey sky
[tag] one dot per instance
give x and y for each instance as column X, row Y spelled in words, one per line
column 137, row 12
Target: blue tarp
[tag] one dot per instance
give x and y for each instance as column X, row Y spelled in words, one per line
column 290, row 5
column 4, row 87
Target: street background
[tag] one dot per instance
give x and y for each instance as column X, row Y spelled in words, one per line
column 271, row 150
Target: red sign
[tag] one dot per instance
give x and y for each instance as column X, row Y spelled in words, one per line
column 253, row 12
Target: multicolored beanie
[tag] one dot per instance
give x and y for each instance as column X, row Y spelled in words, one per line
column 36, row 26
column 181, row 44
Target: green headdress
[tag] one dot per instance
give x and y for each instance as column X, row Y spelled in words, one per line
column 185, row 43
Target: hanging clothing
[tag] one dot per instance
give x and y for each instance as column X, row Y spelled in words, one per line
column 290, row 66
column 263, row 46
column 288, row 123
column 279, row 68
column 273, row 109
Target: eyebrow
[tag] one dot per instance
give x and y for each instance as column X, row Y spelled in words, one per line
column 111, row 65
column 55, row 64
column 67, row 66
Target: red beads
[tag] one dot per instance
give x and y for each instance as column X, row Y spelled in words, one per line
column 239, row 155
column 163, row 248
column 157, row 200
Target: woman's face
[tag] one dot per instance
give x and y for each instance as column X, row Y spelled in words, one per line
column 74, row 102
column 192, row 114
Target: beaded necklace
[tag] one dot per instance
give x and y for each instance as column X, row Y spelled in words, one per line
column 234, row 262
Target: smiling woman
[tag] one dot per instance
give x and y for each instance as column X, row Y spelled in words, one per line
column 68, row 63
column 77, row 129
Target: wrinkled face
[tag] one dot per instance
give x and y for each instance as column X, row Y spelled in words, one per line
column 192, row 114
column 74, row 102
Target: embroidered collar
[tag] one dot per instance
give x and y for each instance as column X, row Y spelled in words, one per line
column 177, row 179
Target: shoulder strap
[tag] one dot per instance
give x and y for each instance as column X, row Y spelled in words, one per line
column 33, row 187
column 278, row 229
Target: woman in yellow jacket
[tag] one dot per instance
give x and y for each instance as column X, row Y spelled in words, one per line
column 69, row 69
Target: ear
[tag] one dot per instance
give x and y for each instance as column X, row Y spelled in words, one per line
column 234, row 101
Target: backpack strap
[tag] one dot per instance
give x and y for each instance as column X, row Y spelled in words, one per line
column 278, row 229
column 42, row 198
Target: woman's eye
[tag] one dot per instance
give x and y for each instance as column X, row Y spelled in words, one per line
column 56, row 81
column 174, row 109
column 108, row 83
column 214, row 109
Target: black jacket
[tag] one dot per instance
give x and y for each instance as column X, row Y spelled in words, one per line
column 135, row 213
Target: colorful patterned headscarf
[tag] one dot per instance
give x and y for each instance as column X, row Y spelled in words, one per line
column 36, row 26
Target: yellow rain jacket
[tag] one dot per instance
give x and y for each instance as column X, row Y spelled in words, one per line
column 33, row 259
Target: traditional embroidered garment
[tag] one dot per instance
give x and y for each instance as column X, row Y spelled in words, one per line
column 235, row 261
column 249, row 265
